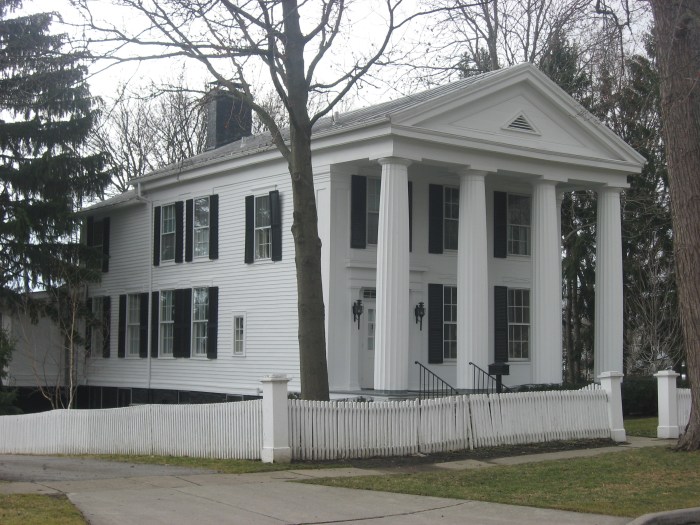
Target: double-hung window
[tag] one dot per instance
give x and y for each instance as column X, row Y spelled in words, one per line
column 201, row 227
column 449, row 322
column 133, row 324
column 374, row 187
column 166, row 322
column 263, row 227
column 200, row 318
column 519, row 224
column 451, row 217
column 238, row 335
column 518, row 324
column 167, row 233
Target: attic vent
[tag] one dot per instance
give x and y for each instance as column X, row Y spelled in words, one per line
column 521, row 124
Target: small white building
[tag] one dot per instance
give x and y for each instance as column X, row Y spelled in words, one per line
column 449, row 199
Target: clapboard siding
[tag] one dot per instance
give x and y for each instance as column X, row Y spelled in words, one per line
column 264, row 291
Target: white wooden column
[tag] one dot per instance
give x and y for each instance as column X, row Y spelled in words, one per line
column 545, row 295
column 393, row 313
column 608, row 284
column 472, row 278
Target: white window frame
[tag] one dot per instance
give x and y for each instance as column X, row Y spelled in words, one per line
column 519, row 324
column 448, row 356
column 97, row 333
column 263, row 250
column 200, row 233
column 373, row 183
column 133, row 328
column 448, row 218
column 168, row 234
column 239, row 341
column 164, row 324
column 525, row 230
column 199, row 324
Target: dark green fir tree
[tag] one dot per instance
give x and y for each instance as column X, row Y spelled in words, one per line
column 46, row 114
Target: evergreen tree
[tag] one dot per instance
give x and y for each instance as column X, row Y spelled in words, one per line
column 45, row 117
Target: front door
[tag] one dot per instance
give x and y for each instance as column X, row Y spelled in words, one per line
column 367, row 333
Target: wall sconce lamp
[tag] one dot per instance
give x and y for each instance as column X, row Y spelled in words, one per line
column 420, row 313
column 357, row 312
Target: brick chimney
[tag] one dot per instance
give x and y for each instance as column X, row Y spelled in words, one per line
column 228, row 118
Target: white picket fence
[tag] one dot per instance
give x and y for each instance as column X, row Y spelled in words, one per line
column 222, row 430
column 334, row 430
column 683, row 407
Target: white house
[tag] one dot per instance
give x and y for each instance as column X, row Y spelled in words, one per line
column 450, row 198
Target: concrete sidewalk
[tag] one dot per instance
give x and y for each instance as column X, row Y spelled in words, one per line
column 268, row 498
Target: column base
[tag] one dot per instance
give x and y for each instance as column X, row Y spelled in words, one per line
column 667, row 432
column 276, row 455
column 618, row 435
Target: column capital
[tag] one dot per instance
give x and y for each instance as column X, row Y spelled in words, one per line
column 394, row 160
column 609, row 189
column 472, row 173
column 545, row 182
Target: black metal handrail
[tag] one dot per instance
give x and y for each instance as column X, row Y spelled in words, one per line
column 485, row 382
column 432, row 385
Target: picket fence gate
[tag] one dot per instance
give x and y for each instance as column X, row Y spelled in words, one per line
column 683, row 407
column 327, row 430
column 221, row 430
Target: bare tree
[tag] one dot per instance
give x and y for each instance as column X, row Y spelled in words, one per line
column 290, row 43
column 148, row 128
column 677, row 35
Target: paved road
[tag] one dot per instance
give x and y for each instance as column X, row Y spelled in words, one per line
column 111, row 493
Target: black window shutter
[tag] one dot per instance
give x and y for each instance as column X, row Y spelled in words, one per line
column 89, row 230
column 189, row 230
column 105, row 244
column 88, row 326
column 155, row 318
column 249, row 228
column 179, row 237
column 410, row 216
column 213, row 226
column 156, row 236
column 212, row 322
column 121, row 340
column 358, row 212
column 183, row 317
column 143, row 324
column 106, row 324
column 435, row 214
column 276, row 225
column 500, row 224
column 500, row 323
column 435, row 335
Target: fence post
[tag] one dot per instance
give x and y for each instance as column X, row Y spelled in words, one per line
column 611, row 383
column 275, row 418
column 668, row 405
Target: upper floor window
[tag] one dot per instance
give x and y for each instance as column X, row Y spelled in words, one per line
column 263, row 230
column 374, row 187
column 518, row 324
column 519, row 207
column 201, row 227
column 451, row 218
column 167, row 322
column 200, row 318
column 167, row 233
column 133, row 324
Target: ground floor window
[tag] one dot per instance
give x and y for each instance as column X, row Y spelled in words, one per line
column 518, row 324
column 167, row 322
column 200, row 318
column 238, row 335
column 449, row 322
column 133, row 324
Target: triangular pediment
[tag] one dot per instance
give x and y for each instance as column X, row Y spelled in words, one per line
column 523, row 110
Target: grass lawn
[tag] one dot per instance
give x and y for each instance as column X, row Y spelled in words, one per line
column 224, row 466
column 641, row 427
column 33, row 509
column 629, row 483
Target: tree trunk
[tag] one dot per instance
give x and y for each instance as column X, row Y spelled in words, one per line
column 312, row 327
column 678, row 42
